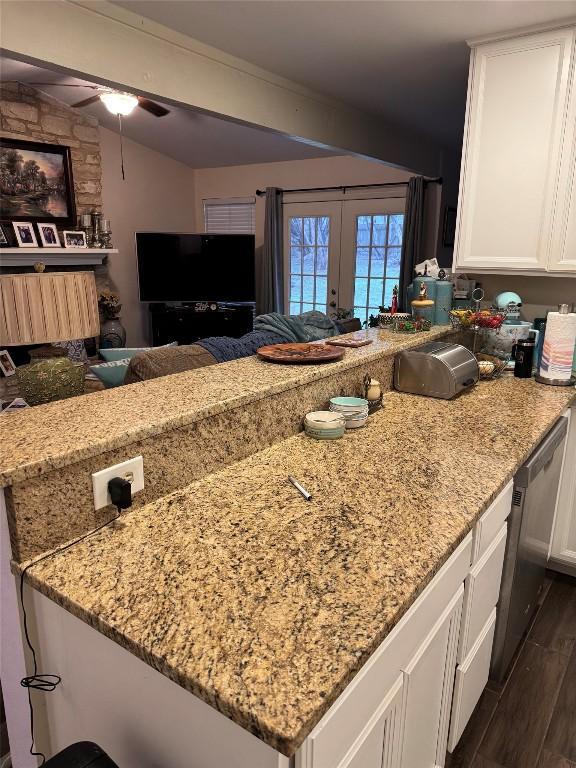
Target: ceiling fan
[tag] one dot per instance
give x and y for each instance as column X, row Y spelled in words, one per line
column 116, row 102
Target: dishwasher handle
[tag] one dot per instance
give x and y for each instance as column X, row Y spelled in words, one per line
column 542, row 455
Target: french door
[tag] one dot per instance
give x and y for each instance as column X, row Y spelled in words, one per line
column 342, row 254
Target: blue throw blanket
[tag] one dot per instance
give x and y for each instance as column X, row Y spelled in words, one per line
column 272, row 328
column 309, row 326
column 225, row 348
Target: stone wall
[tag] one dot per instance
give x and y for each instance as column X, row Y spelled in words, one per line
column 28, row 114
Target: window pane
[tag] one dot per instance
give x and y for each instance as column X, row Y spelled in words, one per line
column 373, row 311
column 375, row 293
column 307, row 307
column 295, row 259
column 379, row 230
column 308, row 261
column 309, row 230
column 323, row 230
column 295, row 288
column 295, row 231
column 308, row 289
column 362, row 261
column 393, row 262
column 322, row 290
column 377, row 265
column 294, row 308
column 361, row 292
column 363, row 230
column 322, row 260
column 395, row 230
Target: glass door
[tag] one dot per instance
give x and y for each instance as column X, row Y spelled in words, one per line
column 370, row 254
column 342, row 254
column 311, row 256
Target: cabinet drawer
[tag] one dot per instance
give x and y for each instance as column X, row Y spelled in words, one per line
column 482, row 590
column 331, row 741
column 491, row 522
column 471, row 678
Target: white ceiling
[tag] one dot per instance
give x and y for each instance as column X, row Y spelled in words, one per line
column 406, row 61
column 196, row 139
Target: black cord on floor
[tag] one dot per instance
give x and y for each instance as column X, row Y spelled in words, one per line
column 39, row 681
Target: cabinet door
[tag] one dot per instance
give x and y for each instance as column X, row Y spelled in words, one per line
column 516, row 116
column 378, row 746
column 429, row 682
column 563, row 247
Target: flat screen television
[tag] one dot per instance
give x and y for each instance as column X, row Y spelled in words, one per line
column 195, row 267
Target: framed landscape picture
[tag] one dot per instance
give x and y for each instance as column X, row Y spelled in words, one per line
column 36, row 183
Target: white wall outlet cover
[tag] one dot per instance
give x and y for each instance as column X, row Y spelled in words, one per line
column 132, row 469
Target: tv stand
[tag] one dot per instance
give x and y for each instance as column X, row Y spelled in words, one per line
column 187, row 323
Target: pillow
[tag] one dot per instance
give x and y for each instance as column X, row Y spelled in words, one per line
column 127, row 353
column 111, row 374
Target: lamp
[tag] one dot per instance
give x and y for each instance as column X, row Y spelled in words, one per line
column 38, row 308
column 119, row 103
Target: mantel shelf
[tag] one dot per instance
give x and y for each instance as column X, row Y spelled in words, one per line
column 27, row 257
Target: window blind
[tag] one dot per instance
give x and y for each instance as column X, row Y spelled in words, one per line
column 234, row 215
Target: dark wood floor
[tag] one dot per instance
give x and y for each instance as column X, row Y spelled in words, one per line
column 530, row 721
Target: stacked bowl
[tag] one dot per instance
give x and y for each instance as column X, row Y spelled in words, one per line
column 354, row 410
column 324, row 425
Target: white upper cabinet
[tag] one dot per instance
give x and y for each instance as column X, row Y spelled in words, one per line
column 517, row 187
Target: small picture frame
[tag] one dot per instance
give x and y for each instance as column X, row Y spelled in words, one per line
column 48, row 235
column 25, row 235
column 73, row 239
column 4, row 242
column 6, row 363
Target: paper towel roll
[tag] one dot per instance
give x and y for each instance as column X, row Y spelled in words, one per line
column 558, row 350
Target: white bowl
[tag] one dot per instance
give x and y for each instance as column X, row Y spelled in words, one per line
column 324, row 420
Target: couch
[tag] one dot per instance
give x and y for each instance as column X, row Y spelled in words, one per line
column 163, row 361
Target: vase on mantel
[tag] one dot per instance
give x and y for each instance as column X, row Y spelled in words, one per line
column 112, row 333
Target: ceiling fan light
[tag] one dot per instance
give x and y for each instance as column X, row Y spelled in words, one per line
column 119, row 103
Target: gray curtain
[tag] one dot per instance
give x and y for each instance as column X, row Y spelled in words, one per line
column 413, row 235
column 270, row 272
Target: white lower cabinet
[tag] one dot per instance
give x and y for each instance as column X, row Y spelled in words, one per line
column 428, row 680
column 471, row 678
column 379, row 744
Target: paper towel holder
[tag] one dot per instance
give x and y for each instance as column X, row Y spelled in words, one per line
column 563, row 309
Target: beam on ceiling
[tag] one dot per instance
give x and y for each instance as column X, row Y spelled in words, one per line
column 102, row 42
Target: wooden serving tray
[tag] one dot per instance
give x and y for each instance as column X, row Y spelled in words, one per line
column 300, row 353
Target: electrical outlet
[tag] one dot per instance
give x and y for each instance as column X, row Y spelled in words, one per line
column 131, row 470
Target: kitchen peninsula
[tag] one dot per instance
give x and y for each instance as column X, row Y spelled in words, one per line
column 320, row 633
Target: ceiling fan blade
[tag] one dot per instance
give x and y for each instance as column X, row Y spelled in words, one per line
column 152, row 107
column 68, row 85
column 86, row 102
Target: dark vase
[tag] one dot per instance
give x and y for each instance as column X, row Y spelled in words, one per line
column 112, row 333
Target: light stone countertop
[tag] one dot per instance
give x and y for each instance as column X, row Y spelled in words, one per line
column 264, row 605
column 47, row 437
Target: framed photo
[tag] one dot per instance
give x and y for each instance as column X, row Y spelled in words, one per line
column 36, row 182
column 49, row 235
column 449, row 230
column 4, row 241
column 25, row 234
column 6, row 363
column 74, row 239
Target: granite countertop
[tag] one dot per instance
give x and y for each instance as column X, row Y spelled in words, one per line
column 47, row 437
column 265, row 605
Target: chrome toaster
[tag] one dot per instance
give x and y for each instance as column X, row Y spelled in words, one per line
column 436, row 369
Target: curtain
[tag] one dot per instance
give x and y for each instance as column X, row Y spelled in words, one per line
column 412, row 236
column 270, row 275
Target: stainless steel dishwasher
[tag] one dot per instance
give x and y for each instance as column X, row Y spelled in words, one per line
column 529, row 533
